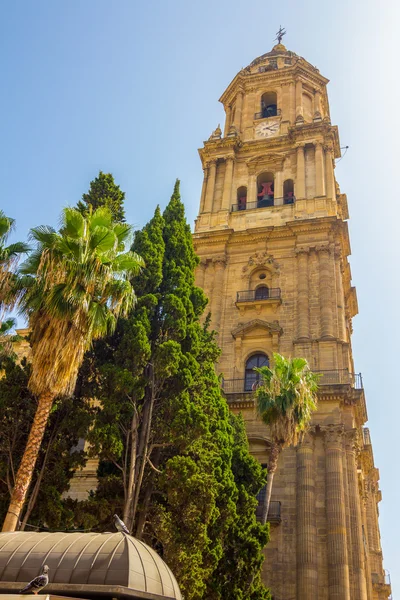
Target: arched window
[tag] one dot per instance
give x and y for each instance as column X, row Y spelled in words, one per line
column 242, row 198
column 251, row 377
column 262, row 292
column 288, row 191
column 265, row 190
column 269, row 107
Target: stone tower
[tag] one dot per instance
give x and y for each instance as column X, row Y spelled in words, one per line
column 273, row 241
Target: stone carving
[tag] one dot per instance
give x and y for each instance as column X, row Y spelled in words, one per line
column 233, row 132
column 260, row 259
column 216, row 134
column 333, row 433
column 272, row 327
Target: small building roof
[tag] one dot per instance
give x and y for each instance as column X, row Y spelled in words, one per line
column 86, row 565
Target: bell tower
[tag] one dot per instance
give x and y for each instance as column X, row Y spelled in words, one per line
column 273, row 241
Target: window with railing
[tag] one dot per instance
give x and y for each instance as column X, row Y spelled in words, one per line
column 263, row 292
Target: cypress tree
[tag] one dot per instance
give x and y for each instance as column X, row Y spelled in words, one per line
column 174, row 462
column 104, row 191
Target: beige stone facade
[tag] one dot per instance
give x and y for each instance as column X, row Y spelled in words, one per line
column 274, row 245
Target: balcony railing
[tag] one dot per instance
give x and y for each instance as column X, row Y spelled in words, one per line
column 341, row 376
column 264, row 203
column 262, row 115
column 366, row 437
column 261, row 294
column 338, row 377
column 274, row 511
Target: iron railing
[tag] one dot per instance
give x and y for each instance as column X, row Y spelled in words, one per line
column 341, row 376
column 338, row 377
column 366, row 437
column 263, row 293
column 259, row 115
column 237, row 386
column 264, row 203
column 274, row 510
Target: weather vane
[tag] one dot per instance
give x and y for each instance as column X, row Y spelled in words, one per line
column 280, row 34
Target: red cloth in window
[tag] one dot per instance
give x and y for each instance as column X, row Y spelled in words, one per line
column 266, row 189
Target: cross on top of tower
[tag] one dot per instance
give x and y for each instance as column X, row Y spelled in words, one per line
column 280, row 34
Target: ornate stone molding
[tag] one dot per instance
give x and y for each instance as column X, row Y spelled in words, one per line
column 302, row 250
column 243, row 328
column 260, row 259
column 352, row 441
column 333, row 434
column 219, row 261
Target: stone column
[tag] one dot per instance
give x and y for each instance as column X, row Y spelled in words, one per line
column 217, row 292
column 285, row 104
column 359, row 580
column 340, row 295
column 252, row 190
column 306, row 530
column 227, row 120
column 363, row 501
column 338, row 563
column 300, row 190
column 319, row 170
column 325, row 292
column 203, row 189
column 278, row 188
column 330, row 178
column 227, row 192
column 317, row 105
column 238, row 110
column 303, row 317
column 201, row 273
column 299, row 98
column 212, row 171
column 292, row 102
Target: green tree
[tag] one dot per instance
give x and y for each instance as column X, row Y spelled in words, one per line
column 69, row 420
column 286, row 399
column 104, row 192
column 9, row 257
column 72, row 289
column 164, row 434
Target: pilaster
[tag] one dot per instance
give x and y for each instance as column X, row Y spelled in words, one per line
column 338, row 562
column 212, row 171
column 306, row 531
column 359, row 587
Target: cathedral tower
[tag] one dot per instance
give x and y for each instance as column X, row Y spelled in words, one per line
column 273, row 241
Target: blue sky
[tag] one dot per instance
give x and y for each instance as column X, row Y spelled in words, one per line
column 132, row 88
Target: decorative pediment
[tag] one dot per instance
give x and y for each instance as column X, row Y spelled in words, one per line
column 266, row 162
column 242, row 329
column 260, row 259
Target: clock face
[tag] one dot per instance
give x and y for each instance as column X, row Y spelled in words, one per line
column 267, row 129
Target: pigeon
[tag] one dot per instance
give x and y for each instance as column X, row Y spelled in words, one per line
column 37, row 584
column 120, row 525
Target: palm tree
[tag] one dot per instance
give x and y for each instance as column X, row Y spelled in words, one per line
column 9, row 257
column 72, row 289
column 286, row 399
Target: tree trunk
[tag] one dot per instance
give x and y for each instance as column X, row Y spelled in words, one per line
column 36, row 489
column 25, row 471
column 272, row 465
column 143, row 453
column 131, row 468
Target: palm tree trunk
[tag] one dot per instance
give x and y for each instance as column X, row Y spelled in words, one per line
column 25, row 471
column 272, row 465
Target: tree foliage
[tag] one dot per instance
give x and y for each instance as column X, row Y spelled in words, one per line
column 286, row 399
column 173, row 461
column 104, row 192
column 72, row 288
column 69, row 421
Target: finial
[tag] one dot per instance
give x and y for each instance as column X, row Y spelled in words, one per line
column 280, row 34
